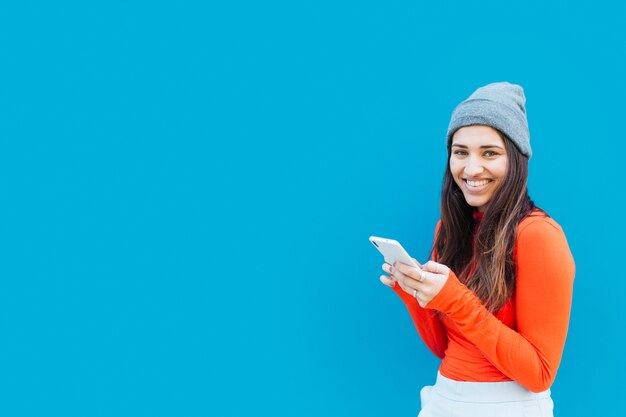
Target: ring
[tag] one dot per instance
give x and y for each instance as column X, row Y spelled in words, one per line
column 415, row 294
column 422, row 275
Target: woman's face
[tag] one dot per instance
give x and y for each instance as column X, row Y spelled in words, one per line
column 478, row 163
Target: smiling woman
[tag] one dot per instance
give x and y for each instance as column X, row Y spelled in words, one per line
column 478, row 163
column 494, row 302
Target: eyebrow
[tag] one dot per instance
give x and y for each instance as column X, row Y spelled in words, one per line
column 482, row 147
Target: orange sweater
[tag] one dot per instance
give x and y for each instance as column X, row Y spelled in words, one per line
column 524, row 340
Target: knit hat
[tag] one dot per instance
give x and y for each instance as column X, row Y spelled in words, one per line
column 499, row 105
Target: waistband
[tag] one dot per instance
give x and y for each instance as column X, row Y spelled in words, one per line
column 485, row 392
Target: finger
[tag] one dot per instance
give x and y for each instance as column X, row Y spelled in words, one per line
column 417, row 262
column 436, row 268
column 431, row 266
column 421, row 300
column 387, row 281
column 391, row 271
column 407, row 270
column 397, row 275
column 407, row 284
column 428, row 276
column 422, row 275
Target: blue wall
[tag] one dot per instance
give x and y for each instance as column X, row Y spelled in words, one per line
column 187, row 192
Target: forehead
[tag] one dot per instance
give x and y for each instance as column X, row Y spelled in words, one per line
column 477, row 136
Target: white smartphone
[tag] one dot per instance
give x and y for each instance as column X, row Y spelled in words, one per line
column 392, row 251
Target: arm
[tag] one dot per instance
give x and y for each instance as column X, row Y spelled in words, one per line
column 532, row 354
column 427, row 322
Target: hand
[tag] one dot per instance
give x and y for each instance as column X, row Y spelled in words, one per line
column 423, row 283
column 391, row 281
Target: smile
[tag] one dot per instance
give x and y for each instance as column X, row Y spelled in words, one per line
column 477, row 183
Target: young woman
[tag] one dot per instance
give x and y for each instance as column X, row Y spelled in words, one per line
column 494, row 302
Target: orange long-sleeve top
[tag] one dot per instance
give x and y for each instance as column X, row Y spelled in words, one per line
column 524, row 340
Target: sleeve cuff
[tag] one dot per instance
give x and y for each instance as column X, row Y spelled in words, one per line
column 450, row 291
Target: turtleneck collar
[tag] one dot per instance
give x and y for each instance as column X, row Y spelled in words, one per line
column 478, row 215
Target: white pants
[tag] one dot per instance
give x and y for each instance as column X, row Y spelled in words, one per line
column 449, row 398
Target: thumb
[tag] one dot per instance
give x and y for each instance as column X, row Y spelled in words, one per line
column 436, row 268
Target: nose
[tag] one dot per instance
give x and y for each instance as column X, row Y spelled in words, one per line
column 474, row 167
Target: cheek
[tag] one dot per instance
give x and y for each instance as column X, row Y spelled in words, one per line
column 500, row 170
column 454, row 167
column 456, row 170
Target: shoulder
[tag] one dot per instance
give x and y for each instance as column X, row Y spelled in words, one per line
column 538, row 224
column 540, row 236
column 437, row 229
column 542, row 247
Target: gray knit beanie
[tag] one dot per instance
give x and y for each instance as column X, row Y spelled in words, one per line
column 499, row 105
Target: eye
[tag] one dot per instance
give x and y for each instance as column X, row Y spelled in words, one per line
column 489, row 154
column 460, row 152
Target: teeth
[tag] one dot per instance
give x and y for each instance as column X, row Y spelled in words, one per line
column 477, row 183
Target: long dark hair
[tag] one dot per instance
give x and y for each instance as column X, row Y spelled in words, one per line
column 482, row 255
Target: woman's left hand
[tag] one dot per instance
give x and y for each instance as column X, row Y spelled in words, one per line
column 424, row 284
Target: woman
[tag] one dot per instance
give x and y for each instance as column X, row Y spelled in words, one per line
column 494, row 302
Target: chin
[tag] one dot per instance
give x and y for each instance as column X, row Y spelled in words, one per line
column 476, row 204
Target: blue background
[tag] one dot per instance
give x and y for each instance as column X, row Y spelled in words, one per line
column 188, row 189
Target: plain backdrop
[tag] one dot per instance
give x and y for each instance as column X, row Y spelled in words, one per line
column 187, row 189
